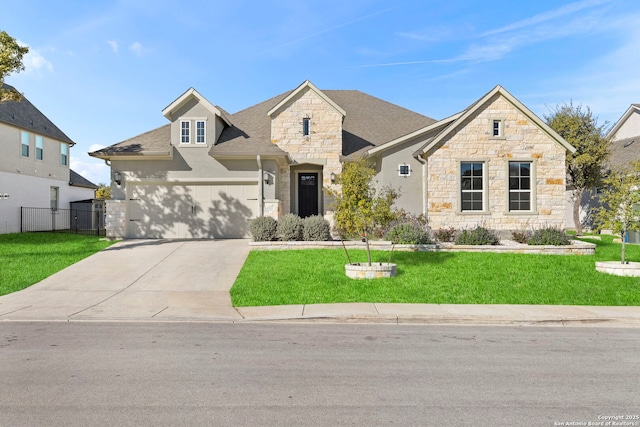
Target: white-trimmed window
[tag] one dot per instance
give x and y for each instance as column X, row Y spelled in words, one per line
column 404, row 170
column 64, row 154
column 520, row 175
column 54, row 198
column 185, row 132
column 472, row 186
column 497, row 128
column 201, row 130
column 39, row 147
column 24, row 144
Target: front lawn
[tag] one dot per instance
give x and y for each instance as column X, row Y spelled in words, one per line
column 316, row 276
column 27, row 258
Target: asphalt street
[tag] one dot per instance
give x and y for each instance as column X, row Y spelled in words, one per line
column 90, row 373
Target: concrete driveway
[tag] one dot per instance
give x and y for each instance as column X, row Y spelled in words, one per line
column 138, row 280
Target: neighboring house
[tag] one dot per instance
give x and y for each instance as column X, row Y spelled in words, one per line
column 34, row 165
column 207, row 173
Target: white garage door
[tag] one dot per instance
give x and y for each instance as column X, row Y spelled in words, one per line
column 191, row 211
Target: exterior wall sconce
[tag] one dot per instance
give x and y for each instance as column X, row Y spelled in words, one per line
column 265, row 177
column 117, row 177
column 333, row 177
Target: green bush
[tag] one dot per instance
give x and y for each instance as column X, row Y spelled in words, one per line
column 408, row 234
column 445, row 234
column 477, row 236
column 549, row 236
column 290, row 227
column 520, row 236
column 264, row 229
column 316, row 228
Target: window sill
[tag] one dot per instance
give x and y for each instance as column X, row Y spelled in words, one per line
column 474, row 213
column 516, row 213
column 498, row 137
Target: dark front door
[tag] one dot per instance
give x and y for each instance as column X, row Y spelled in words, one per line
column 307, row 194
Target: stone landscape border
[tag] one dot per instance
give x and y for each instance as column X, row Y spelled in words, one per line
column 507, row 246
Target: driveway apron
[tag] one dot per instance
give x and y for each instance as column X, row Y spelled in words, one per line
column 138, row 280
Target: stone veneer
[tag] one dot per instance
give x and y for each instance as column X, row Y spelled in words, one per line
column 322, row 147
column 116, row 224
column 472, row 141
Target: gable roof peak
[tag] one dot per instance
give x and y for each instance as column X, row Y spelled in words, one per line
column 186, row 96
column 306, row 85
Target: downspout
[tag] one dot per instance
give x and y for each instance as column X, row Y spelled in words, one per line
column 260, row 187
column 424, row 183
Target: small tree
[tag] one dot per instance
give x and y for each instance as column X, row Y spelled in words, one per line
column 103, row 192
column 11, row 54
column 620, row 201
column 361, row 210
column 586, row 166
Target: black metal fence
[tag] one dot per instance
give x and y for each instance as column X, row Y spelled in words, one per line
column 75, row 221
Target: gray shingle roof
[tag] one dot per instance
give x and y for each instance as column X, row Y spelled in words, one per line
column 624, row 152
column 25, row 115
column 154, row 141
column 78, row 180
column 369, row 122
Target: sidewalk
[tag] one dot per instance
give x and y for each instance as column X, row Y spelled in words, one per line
column 444, row 314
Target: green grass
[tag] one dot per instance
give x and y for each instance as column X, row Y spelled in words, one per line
column 27, row 258
column 317, row 276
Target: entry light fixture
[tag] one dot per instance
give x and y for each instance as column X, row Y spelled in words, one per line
column 117, row 177
column 333, row 177
column 265, row 177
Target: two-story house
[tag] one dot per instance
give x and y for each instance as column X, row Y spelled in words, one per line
column 207, row 173
column 34, row 165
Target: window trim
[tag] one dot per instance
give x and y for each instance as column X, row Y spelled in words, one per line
column 533, row 191
column 24, row 134
column 404, row 165
column 485, row 187
column 501, row 124
column 188, row 134
column 40, row 154
column 204, row 132
column 64, row 154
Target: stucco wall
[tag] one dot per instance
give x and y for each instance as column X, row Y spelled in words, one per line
column 630, row 128
column 471, row 141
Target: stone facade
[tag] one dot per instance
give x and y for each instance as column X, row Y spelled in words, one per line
column 322, row 147
column 521, row 140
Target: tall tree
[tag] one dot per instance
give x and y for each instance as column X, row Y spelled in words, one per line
column 586, row 167
column 621, row 202
column 11, row 54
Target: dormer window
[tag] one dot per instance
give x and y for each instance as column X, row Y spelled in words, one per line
column 185, row 132
column 305, row 126
column 200, row 132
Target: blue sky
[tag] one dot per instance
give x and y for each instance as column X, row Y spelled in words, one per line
column 102, row 71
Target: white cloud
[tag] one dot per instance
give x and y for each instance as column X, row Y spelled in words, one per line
column 114, row 45
column 95, row 147
column 136, row 47
column 95, row 171
column 34, row 62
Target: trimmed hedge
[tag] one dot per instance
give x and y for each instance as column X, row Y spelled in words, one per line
column 264, row 229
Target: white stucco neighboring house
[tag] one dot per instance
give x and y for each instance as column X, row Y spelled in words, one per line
column 207, row 173
column 34, row 166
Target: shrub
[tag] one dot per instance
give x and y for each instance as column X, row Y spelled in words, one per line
column 264, row 229
column 408, row 234
column 316, row 228
column 549, row 236
column 520, row 236
column 445, row 234
column 290, row 227
column 477, row 236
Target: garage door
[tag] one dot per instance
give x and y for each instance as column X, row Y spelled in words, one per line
column 191, row 211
